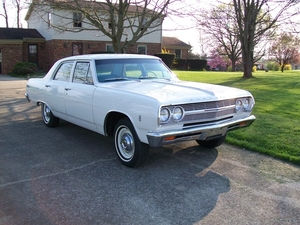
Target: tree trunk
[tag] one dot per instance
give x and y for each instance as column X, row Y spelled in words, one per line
column 5, row 15
column 247, row 64
column 233, row 67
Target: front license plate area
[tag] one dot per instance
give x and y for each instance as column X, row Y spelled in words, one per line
column 215, row 132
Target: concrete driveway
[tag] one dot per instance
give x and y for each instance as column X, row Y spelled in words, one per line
column 68, row 175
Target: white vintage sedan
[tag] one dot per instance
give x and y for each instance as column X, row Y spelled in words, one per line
column 139, row 101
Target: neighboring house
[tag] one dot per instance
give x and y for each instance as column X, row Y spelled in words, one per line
column 20, row 45
column 174, row 45
column 61, row 43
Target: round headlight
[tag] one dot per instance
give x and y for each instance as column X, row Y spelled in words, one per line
column 238, row 105
column 246, row 104
column 164, row 115
column 177, row 113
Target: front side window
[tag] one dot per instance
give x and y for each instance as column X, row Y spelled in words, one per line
column 77, row 19
column 82, row 73
column 64, row 72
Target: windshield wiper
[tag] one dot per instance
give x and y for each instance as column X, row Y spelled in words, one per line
column 160, row 78
column 144, row 77
column 115, row 79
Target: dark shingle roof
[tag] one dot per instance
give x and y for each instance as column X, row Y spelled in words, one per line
column 19, row 33
column 175, row 42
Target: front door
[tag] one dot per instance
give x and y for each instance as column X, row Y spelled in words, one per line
column 33, row 53
column 79, row 96
column 77, row 49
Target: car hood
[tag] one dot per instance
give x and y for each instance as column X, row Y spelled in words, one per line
column 176, row 92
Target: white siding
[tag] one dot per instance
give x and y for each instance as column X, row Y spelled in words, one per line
column 50, row 33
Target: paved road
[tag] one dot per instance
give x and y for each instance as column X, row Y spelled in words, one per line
column 68, row 175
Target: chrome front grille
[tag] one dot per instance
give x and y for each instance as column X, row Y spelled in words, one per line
column 209, row 111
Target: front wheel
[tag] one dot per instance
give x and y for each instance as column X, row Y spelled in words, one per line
column 130, row 150
column 212, row 143
column 49, row 119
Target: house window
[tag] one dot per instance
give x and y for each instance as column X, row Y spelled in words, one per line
column 109, row 48
column 77, row 49
column 113, row 22
column 142, row 49
column 143, row 24
column 77, row 19
column 49, row 19
column 178, row 53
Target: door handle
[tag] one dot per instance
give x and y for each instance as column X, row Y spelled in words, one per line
column 67, row 89
column 47, row 85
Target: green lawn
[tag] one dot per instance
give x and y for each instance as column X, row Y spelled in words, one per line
column 276, row 130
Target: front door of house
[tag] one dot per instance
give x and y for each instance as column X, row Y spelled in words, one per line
column 33, row 53
column 77, row 49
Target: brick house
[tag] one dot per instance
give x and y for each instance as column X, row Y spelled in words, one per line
column 176, row 46
column 63, row 43
column 21, row 45
column 44, row 45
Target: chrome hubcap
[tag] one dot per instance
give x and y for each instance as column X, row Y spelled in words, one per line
column 46, row 113
column 125, row 143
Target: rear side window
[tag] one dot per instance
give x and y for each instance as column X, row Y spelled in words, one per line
column 64, row 72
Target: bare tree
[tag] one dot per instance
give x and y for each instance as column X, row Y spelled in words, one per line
column 123, row 21
column 285, row 50
column 219, row 22
column 17, row 4
column 254, row 20
column 4, row 14
column 12, row 10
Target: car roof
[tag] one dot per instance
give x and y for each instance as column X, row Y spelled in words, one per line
column 109, row 56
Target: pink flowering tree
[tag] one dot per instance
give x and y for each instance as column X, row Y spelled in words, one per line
column 217, row 61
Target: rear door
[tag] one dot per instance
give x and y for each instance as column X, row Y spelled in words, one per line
column 55, row 88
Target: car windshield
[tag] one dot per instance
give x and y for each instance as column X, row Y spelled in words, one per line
column 129, row 69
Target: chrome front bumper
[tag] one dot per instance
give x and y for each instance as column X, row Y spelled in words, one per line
column 157, row 139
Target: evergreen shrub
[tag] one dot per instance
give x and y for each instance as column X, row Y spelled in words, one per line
column 24, row 68
column 167, row 58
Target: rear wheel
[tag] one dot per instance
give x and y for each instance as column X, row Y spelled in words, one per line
column 212, row 143
column 49, row 119
column 130, row 150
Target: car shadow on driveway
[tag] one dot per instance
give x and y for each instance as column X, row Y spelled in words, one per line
column 69, row 175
